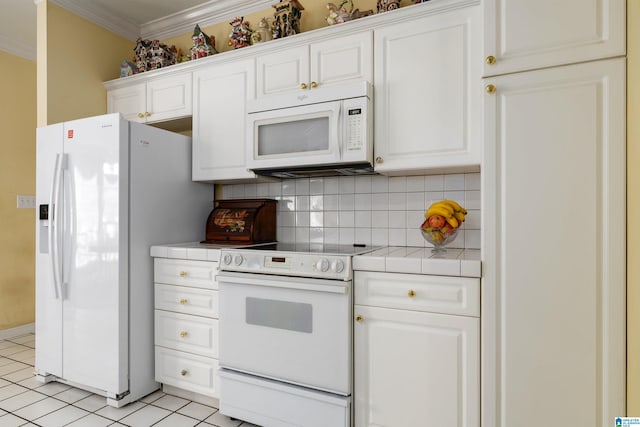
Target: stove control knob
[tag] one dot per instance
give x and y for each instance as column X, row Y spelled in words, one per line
column 322, row 264
column 226, row 259
column 238, row 260
column 337, row 266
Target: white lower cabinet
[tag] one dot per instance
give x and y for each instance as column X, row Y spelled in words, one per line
column 186, row 325
column 416, row 364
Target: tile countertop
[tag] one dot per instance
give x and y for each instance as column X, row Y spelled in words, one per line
column 401, row 259
column 191, row 250
column 393, row 259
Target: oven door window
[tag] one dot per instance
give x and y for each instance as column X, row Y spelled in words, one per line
column 292, row 316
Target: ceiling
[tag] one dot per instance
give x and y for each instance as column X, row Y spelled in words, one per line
column 128, row 18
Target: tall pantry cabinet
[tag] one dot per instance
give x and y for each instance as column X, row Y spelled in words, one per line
column 553, row 302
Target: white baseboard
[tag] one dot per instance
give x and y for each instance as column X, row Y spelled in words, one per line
column 29, row 328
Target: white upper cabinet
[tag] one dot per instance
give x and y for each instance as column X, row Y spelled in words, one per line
column 316, row 65
column 158, row 99
column 220, row 108
column 526, row 34
column 553, row 292
column 428, row 98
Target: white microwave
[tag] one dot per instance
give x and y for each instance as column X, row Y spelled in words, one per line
column 320, row 131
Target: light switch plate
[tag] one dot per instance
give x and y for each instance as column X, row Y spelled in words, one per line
column 26, row 202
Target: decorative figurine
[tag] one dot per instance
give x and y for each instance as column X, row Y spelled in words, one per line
column 340, row 14
column 240, row 35
column 203, row 45
column 387, row 5
column 150, row 55
column 286, row 20
column 127, row 69
column 263, row 33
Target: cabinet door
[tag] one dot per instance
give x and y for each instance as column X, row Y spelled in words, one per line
column 169, row 98
column 415, row 369
column 283, row 71
column 428, row 101
column 130, row 101
column 525, row 34
column 553, row 302
column 342, row 59
column 220, row 94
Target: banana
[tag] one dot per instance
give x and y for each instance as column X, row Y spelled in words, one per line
column 441, row 210
column 459, row 216
column 452, row 221
column 454, row 205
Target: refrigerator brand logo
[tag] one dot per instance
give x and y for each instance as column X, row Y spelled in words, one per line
column 70, row 134
column 627, row 422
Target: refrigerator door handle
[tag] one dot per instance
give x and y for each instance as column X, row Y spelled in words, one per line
column 54, row 252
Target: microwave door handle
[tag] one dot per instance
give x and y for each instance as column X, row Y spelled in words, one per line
column 340, row 135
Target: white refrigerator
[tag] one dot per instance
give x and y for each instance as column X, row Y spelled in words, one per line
column 106, row 190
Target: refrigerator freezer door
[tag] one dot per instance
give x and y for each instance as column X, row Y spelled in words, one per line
column 95, row 261
column 48, row 303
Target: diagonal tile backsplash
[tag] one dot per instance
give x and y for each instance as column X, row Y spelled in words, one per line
column 371, row 210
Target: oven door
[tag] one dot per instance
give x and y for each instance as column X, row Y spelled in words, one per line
column 291, row 329
column 296, row 136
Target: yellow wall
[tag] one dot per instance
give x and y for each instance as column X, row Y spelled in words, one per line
column 80, row 57
column 633, row 208
column 17, row 176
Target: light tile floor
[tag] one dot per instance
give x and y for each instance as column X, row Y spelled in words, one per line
column 26, row 402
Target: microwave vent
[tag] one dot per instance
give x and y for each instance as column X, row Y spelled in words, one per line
column 356, row 169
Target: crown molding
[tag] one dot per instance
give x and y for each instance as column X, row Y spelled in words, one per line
column 100, row 16
column 18, row 48
column 210, row 13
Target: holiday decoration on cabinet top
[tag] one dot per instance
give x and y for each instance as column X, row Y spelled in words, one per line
column 339, row 14
column 286, row 19
column 203, row 45
column 240, row 35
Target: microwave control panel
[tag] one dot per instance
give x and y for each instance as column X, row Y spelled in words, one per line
column 356, row 125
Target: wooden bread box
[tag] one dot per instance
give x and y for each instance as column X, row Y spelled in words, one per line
column 242, row 220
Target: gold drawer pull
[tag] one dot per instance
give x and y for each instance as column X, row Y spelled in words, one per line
column 411, row 293
column 140, row 115
column 490, row 60
column 183, row 301
column 183, row 334
column 183, row 274
column 147, row 114
column 359, row 318
column 314, row 84
column 184, row 372
column 490, row 89
column 303, row 85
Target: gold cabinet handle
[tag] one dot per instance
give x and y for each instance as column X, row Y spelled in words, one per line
column 183, row 301
column 140, row 115
column 490, row 60
column 183, row 334
column 314, row 84
column 359, row 318
column 490, row 89
column 184, row 372
column 379, row 160
column 183, row 274
column 303, row 85
column 147, row 114
column 411, row 293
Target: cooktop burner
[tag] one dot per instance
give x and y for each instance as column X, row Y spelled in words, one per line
column 314, row 248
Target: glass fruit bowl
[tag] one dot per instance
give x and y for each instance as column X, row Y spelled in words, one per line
column 439, row 237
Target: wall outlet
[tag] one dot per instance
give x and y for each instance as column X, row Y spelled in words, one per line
column 26, row 202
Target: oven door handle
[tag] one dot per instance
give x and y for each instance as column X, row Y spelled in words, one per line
column 284, row 282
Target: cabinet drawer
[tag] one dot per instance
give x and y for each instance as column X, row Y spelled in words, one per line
column 193, row 334
column 199, row 274
column 436, row 294
column 187, row 371
column 181, row 299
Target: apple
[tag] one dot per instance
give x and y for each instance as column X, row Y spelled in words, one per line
column 436, row 221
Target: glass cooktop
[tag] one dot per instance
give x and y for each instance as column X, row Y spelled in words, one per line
column 317, row 248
